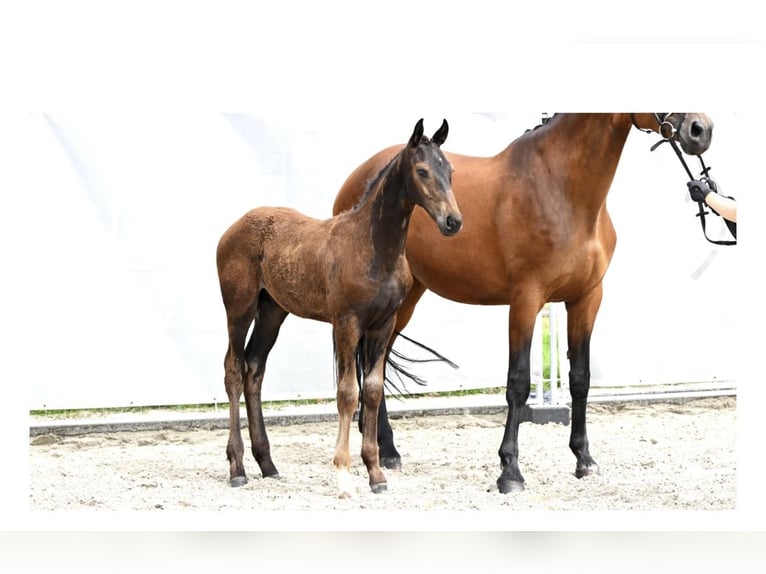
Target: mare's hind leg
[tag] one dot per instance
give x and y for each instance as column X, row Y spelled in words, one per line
column 269, row 318
column 388, row 455
column 581, row 316
column 234, row 368
column 521, row 326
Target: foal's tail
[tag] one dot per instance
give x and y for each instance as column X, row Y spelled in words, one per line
column 395, row 367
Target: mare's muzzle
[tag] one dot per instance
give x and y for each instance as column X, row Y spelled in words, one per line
column 694, row 134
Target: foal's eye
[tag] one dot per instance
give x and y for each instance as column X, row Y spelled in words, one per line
column 422, row 172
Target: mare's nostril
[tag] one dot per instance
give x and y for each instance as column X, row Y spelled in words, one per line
column 697, row 130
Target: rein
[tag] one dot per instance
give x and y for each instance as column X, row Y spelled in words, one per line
column 668, row 131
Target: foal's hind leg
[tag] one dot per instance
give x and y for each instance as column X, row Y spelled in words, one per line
column 269, row 318
column 234, row 368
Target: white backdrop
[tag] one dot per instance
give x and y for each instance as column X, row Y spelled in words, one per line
column 111, row 288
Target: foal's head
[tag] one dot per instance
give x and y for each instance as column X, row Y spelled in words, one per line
column 429, row 177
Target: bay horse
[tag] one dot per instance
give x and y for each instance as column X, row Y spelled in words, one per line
column 349, row 270
column 536, row 230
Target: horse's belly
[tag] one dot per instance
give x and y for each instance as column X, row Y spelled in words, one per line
column 296, row 299
column 296, row 286
column 579, row 274
column 473, row 282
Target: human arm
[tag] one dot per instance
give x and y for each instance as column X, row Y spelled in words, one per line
column 706, row 191
column 726, row 206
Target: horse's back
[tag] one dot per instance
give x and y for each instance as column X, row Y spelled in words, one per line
column 356, row 183
column 264, row 224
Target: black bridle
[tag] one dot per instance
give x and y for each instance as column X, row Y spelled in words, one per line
column 668, row 132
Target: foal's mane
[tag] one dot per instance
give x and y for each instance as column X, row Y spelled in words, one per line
column 402, row 374
column 373, row 183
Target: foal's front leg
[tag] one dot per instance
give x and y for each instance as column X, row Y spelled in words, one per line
column 347, row 335
column 375, row 344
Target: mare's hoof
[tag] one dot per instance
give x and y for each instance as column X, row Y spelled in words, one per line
column 380, row 487
column 238, row 481
column 344, row 495
column 590, row 470
column 270, row 472
column 506, row 486
column 391, row 462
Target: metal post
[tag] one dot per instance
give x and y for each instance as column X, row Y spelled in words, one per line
column 537, row 359
column 553, row 314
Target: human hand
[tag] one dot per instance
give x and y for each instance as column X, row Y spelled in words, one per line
column 700, row 188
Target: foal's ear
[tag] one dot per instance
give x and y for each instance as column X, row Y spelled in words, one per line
column 441, row 134
column 417, row 133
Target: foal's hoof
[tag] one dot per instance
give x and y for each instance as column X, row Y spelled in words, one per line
column 238, row 481
column 380, row 487
column 507, row 486
column 391, row 462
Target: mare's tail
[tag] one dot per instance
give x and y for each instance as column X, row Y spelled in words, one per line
column 397, row 376
column 395, row 367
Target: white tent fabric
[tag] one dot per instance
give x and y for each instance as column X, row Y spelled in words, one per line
column 112, row 295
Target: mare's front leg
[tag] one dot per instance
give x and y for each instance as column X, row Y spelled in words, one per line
column 388, row 456
column 347, row 334
column 581, row 316
column 269, row 319
column 521, row 326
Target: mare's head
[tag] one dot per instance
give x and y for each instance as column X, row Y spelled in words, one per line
column 429, row 176
column 693, row 132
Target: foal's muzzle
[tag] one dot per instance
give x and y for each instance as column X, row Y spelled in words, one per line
column 451, row 225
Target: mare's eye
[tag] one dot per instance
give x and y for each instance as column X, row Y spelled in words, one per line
column 422, row 173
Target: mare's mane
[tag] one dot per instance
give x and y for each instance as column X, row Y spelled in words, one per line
column 543, row 122
column 531, row 133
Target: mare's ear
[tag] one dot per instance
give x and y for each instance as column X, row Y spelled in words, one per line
column 417, row 133
column 441, row 134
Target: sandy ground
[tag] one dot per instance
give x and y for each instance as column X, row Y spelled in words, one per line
column 657, row 456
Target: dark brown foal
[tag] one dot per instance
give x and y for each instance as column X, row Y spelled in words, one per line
column 350, row 271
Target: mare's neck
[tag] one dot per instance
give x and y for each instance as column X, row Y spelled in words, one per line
column 581, row 153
